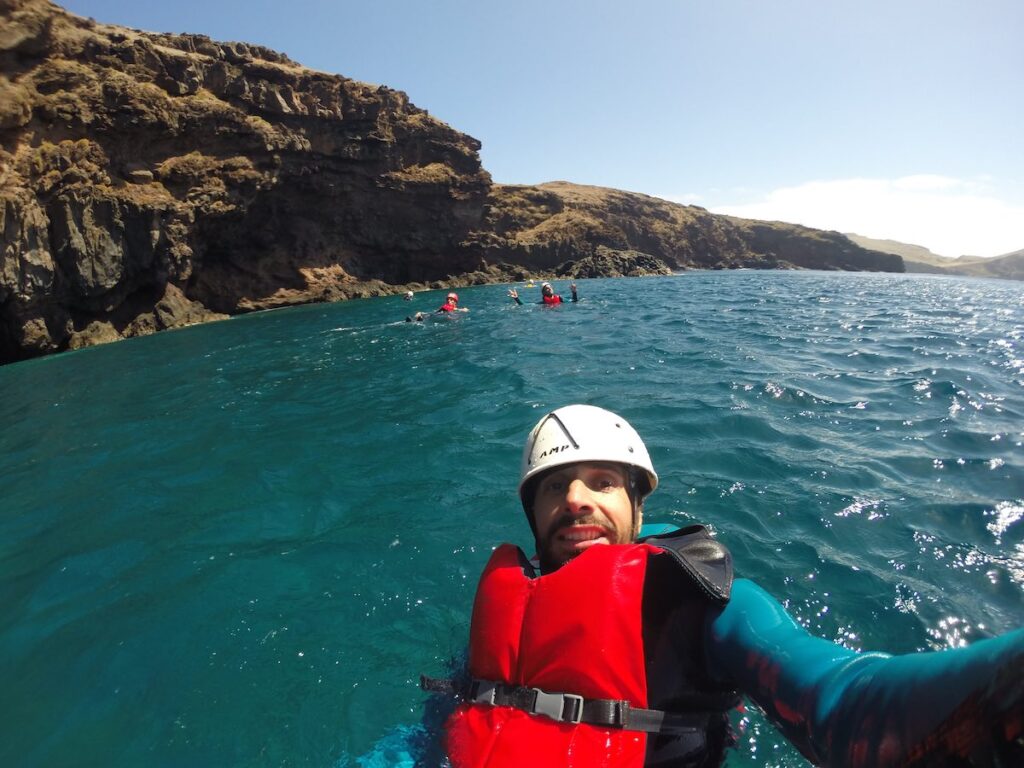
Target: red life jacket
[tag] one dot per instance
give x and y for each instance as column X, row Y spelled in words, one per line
column 577, row 630
column 446, row 307
column 552, row 299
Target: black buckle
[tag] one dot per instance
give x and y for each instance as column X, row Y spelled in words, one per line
column 482, row 691
column 620, row 714
column 560, row 707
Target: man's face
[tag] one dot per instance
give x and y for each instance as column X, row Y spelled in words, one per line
column 580, row 506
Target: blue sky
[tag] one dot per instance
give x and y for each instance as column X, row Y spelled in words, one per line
column 899, row 119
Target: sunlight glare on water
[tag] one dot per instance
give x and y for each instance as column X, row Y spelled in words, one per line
column 241, row 543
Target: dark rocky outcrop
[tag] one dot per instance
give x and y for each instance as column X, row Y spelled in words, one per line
column 150, row 181
column 609, row 262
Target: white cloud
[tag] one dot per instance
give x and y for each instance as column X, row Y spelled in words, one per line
column 951, row 217
column 925, row 182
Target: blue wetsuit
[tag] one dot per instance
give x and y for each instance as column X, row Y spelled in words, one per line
column 844, row 708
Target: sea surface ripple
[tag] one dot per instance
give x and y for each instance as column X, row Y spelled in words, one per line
column 242, row 543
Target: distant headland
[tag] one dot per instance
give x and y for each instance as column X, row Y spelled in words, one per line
column 150, row 181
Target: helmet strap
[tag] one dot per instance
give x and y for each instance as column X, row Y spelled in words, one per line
column 636, row 498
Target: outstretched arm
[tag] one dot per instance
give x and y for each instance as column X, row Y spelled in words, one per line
column 867, row 710
column 572, row 287
column 515, row 295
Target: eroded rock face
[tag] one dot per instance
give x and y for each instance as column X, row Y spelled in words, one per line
column 150, row 181
column 138, row 166
column 581, row 230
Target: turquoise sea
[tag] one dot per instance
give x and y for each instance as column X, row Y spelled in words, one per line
column 240, row 544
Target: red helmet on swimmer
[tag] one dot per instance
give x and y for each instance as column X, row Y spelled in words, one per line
column 576, row 433
column 453, row 296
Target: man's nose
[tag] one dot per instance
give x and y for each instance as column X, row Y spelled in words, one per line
column 578, row 497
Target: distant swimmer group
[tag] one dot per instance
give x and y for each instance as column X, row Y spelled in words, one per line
column 548, row 297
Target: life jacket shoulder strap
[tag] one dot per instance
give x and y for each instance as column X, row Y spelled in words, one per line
column 705, row 560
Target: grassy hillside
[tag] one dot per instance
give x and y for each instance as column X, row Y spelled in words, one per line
column 1009, row 266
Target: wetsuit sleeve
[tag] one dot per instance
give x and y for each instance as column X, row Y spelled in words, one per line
column 575, row 298
column 517, row 301
column 844, row 708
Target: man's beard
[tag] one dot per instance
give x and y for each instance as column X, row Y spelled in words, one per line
column 550, row 561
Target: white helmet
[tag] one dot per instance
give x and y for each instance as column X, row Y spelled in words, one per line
column 577, row 433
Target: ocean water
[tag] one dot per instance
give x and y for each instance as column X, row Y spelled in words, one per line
column 242, row 543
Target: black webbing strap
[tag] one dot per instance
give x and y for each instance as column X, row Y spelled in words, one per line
column 439, row 685
column 568, row 707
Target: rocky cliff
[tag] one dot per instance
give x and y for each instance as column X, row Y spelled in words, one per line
column 149, row 181
column 547, row 227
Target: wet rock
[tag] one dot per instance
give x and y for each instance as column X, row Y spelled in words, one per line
column 152, row 180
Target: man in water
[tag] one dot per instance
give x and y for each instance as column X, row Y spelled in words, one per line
column 610, row 652
column 547, row 295
column 451, row 305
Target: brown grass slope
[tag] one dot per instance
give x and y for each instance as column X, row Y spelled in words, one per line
column 543, row 226
column 1009, row 266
